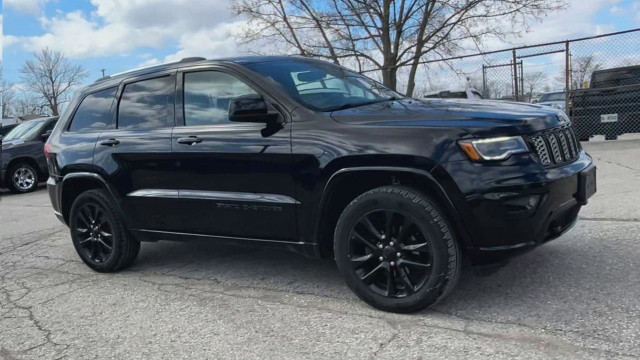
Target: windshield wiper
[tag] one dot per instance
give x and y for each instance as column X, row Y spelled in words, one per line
column 354, row 105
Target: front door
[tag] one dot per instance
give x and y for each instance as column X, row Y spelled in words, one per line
column 135, row 155
column 234, row 181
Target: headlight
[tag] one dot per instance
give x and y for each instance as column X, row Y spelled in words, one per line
column 500, row 148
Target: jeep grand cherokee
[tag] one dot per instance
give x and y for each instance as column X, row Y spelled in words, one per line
column 313, row 157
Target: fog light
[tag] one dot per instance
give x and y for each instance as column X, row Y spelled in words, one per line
column 523, row 203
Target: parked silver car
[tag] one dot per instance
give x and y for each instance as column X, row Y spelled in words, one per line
column 557, row 100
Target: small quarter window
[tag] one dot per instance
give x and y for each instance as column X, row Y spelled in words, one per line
column 94, row 113
column 147, row 104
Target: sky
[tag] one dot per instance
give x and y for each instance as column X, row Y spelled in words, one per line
column 117, row 35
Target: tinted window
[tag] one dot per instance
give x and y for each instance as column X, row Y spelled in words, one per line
column 323, row 86
column 560, row 96
column 207, row 95
column 94, row 113
column 147, row 104
column 49, row 126
column 5, row 129
column 616, row 77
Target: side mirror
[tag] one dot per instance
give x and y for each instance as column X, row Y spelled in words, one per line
column 249, row 108
column 46, row 135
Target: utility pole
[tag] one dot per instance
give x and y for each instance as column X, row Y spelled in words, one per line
column 103, row 70
column 515, row 75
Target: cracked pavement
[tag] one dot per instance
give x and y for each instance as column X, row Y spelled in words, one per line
column 574, row 298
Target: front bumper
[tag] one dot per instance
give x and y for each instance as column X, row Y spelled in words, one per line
column 508, row 209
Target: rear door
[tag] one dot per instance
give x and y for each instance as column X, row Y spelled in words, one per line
column 135, row 155
column 235, row 180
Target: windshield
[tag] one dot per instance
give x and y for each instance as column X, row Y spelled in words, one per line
column 24, row 131
column 553, row 97
column 324, row 87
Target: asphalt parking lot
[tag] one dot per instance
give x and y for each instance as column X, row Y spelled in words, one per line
column 577, row 297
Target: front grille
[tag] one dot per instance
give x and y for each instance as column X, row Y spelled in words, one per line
column 555, row 146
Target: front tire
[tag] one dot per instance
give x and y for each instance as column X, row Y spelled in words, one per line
column 22, row 178
column 99, row 234
column 395, row 250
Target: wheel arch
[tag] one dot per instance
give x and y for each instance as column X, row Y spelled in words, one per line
column 74, row 184
column 25, row 159
column 348, row 183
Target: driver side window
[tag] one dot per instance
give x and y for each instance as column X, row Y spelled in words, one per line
column 207, row 95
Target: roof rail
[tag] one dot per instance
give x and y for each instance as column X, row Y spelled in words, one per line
column 184, row 60
column 190, row 59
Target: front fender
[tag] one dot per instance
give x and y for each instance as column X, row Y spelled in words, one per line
column 428, row 183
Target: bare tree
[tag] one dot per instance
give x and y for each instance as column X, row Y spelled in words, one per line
column 581, row 70
column 30, row 105
column 8, row 98
column 7, row 94
column 532, row 81
column 385, row 35
column 52, row 77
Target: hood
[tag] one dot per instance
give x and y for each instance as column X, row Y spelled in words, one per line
column 475, row 116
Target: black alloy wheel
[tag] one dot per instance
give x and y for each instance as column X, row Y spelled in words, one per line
column 94, row 231
column 395, row 249
column 390, row 253
column 98, row 233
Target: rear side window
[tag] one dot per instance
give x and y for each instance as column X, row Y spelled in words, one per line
column 147, row 104
column 616, row 77
column 94, row 113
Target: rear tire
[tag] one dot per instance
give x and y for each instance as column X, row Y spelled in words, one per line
column 396, row 251
column 22, row 178
column 98, row 233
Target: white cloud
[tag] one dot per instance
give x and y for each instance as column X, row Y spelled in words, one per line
column 8, row 40
column 579, row 19
column 183, row 15
column 122, row 26
column 30, row 7
column 79, row 37
column 211, row 43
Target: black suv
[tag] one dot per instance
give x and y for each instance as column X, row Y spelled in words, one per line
column 23, row 160
column 312, row 157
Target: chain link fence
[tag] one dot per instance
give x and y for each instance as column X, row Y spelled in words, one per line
column 595, row 80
